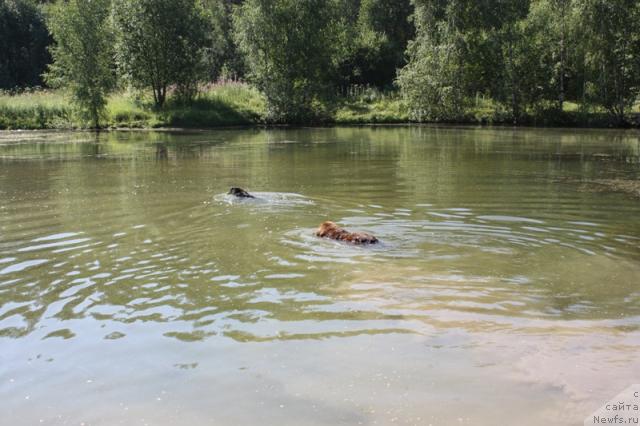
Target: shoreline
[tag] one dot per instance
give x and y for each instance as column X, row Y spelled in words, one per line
column 593, row 121
column 444, row 125
column 240, row 106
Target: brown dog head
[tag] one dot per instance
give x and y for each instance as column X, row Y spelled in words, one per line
column 327, row 229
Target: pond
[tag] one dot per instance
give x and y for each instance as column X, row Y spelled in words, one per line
column 134, row 292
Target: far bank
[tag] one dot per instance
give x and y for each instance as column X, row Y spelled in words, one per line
column 238, row 104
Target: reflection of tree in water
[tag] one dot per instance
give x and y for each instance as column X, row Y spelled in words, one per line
column 162, row 154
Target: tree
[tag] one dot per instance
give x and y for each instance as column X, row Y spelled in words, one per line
column 468, row 47
column 389, row 18
column 379, row 31
column 611, row 31
column 161, row 43
column 23, row 44
column 561, row 29
column 82, row 53
column 223, row 57
column 516, row 89
column 290, row 49
column 433, row 81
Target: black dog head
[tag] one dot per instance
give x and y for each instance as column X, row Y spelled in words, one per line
column 239, row 192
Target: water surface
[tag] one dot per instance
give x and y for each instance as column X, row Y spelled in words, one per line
column 133, row 291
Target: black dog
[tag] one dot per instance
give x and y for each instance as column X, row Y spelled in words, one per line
column 240, row 193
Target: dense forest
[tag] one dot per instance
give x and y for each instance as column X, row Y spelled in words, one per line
column 444, row 58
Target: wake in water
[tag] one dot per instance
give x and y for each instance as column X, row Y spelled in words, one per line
column 446, row 234
column 265, row 200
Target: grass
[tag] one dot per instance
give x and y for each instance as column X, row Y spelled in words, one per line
column 386, row 111
column 35, row 110
column 228, row 104
column 234, row 104
column 125, row 110
column 371, row 106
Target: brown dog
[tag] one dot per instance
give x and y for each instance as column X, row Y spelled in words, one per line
column 333, row 231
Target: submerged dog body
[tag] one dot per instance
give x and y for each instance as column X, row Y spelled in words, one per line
column 240, row 193
column 333, row 231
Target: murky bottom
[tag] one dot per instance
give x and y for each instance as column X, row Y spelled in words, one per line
column 133, row 291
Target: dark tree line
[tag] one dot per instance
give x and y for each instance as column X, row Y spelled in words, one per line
column 23, row 44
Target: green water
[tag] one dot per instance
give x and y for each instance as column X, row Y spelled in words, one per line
column 506, row 289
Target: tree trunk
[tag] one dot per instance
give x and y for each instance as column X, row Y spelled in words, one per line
column 163, row 96
column 562, row 57
column 514, row 101
column 159, row 95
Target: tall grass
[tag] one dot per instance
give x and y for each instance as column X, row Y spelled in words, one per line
column 368, row 105
column 35, row 110
column 226, row 104
column 222, row 104
column 128, row 110
column 231, row 103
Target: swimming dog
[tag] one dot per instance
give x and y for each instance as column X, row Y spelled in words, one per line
column 331, row 230
column 240, row 193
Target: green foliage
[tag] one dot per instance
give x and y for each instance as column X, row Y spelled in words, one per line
column 35, row 110
column 23, row 44
column 83, row 55
column 506, row 61
column 528, row 55
column 542, row 52
column 378, row 33
column 230, row 104
column 390, row 18
column 224, row 61
column 371, row 106
column 513, row 88
column 611, row 31
column 217, row 42
column 433, row 82
column 162, row 43
column 234, row 104
column 290, row 48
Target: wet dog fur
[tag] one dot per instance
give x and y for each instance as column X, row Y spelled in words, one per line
column 240, row 193
column 331, row 230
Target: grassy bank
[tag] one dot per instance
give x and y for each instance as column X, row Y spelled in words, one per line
column 391, row 109
column 231, row 104
column 35, row 110
column 238, row 104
